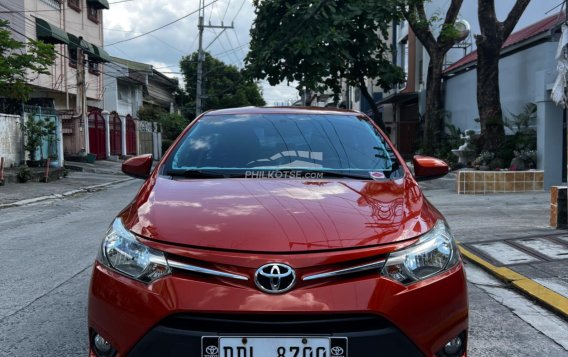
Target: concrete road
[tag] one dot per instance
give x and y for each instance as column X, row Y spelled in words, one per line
column 47, row 250
column 46, row 254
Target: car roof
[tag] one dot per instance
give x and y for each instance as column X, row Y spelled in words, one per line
column 283, row 110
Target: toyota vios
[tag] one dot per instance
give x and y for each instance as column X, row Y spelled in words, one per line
column 279, row 232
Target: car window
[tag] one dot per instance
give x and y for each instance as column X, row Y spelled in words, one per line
column 277, row 141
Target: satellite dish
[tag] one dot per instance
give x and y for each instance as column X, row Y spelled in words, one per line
column 463, row 29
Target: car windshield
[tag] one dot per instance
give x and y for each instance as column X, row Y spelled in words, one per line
column 328, row 143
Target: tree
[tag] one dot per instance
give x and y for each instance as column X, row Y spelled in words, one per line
column 19, row 60
column 319, row 44
column 437, row 47
column 489, row 44
column 224, row 85
column 171, row 124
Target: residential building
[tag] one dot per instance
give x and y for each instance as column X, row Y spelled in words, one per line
column 130, row 86
column 75, row 28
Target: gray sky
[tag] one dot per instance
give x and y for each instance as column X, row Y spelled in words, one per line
column 164, row 48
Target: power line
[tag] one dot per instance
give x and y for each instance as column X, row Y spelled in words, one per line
column 233, row 49
column 161, row 27
column 227, row 8
column 240, row 8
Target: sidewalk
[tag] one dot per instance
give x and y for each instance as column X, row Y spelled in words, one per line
column 82, row 177
column 509, row 236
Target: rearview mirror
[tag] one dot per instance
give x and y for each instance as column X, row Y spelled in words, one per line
column 138, row 166
column 427, row 168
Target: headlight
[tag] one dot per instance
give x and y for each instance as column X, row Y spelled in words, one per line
column 435, row 252
column 121, row 251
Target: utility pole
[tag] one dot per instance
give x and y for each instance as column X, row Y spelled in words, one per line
column 201, row 55
column 81, row 97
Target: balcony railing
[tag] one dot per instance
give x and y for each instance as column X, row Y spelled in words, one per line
column 56, row 4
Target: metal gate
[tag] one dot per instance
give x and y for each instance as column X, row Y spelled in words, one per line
column 130, row 136
column 115, row 134
column 146, row 137
column 97, row 143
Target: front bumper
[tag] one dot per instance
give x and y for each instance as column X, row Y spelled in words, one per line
column 170, row 316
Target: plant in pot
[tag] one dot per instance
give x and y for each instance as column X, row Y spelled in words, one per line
column 33, row 131
column 36, row 131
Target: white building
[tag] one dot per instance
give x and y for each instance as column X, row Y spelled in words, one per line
column 68, row 25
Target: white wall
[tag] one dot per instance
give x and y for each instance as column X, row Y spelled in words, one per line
column 10, row 139
column 525, row 77
column 536, row 11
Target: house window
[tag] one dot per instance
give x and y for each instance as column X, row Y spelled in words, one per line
column 93, row 13
column 72, row 53
column 124, row 93
column 74, row 4
column 403, row 58
column 94, row 68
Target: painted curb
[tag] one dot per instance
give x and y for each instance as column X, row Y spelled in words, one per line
column 527, row 286
column 86, row 189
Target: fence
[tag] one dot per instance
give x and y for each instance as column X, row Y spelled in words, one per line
column 11, row 139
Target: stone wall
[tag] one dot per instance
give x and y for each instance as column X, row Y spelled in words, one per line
column 11, row 139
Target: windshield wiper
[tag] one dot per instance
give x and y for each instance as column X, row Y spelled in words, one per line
column 196, row 174
column 326, row 173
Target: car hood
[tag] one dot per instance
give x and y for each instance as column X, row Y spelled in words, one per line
column 270, row 215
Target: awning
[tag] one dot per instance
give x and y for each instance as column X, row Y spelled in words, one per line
column 398, row 98
column 100, row 55
column 49, row 33
column 75, row 42
column 98, row 4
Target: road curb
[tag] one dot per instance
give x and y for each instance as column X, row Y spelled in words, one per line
column 527, row 286
column 71, row 193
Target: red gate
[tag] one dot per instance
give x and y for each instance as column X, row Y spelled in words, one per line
column 130, row 136
column 115, row 134
column 97, row 142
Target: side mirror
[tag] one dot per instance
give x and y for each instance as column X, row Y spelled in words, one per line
column 138, row 166
column 427, row 168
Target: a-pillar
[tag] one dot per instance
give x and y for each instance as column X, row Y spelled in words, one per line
column 123, row 135
column 107, row 133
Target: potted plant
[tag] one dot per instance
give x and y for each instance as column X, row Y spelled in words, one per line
column 36, row 131
column 33, row 131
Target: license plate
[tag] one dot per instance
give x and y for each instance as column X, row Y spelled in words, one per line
column 312, row 346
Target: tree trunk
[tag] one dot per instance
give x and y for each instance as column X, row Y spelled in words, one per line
column 489, row 43
column 433, row 125
column 365, row 93
column 488, row 95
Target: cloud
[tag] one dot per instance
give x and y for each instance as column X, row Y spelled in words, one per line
column 164, row 48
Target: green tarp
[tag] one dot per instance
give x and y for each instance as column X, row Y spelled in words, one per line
column 49, row 33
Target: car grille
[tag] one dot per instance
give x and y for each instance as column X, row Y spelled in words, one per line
column 276, row 324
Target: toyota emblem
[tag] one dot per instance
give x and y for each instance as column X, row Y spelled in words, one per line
column 275, row 278
column 212, row 350
column 336, row 351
